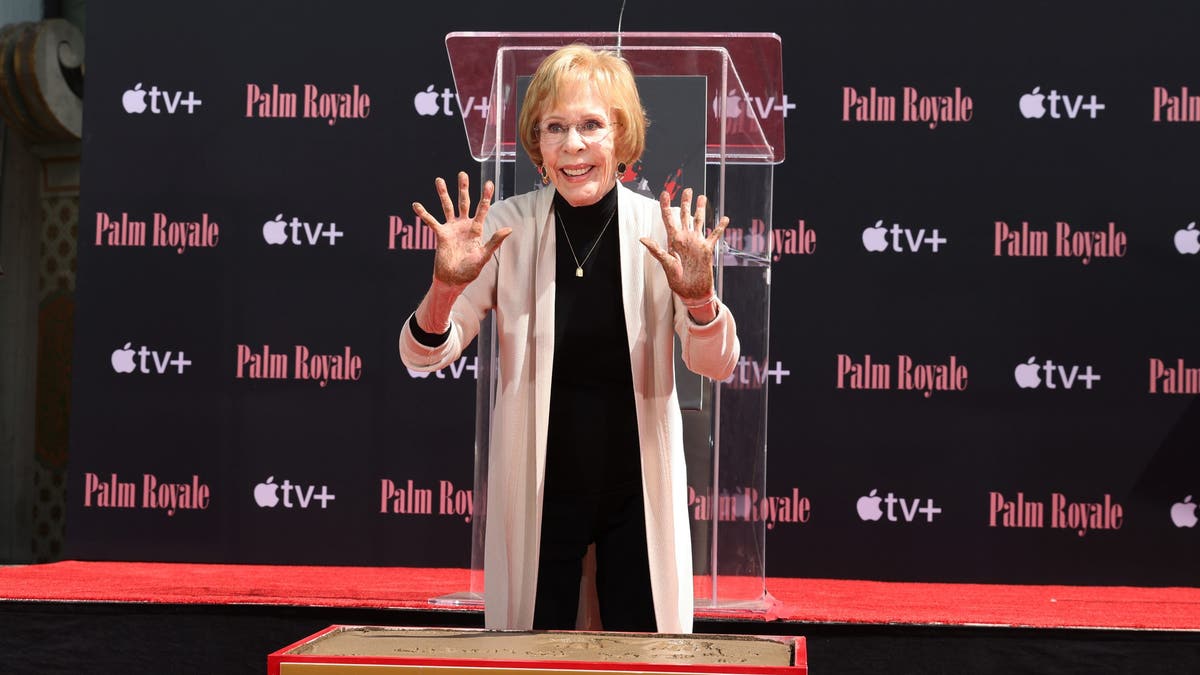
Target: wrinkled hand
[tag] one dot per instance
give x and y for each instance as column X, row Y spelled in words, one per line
column 688, row 260
column 461, row 253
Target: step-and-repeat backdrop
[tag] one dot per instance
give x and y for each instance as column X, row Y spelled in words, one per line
column 985, row 350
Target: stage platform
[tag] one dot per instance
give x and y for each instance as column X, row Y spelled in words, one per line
column 151, row 617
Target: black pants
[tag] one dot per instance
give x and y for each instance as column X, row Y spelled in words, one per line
column 616, row 522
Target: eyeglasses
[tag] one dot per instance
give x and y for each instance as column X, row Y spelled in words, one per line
column 555, row 133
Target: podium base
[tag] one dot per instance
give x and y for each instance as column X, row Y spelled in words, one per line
column 761, row 605
column 464, row 599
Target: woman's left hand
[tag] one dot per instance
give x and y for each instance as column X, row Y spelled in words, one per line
column 688, row 260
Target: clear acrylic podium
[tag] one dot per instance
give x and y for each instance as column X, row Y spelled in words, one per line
column 725, row 423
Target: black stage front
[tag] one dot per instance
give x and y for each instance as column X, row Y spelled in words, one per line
column 86, row 637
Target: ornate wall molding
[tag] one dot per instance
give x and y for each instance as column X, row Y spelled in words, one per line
column 41, row 80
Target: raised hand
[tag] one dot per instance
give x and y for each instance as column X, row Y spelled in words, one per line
column 688, row 260
column 461, row 252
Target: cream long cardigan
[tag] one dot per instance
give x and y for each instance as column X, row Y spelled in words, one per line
column 519, row 283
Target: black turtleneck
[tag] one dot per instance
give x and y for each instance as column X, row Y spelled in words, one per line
column 592, row 440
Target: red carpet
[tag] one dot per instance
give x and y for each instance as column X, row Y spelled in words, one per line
column 796, row 600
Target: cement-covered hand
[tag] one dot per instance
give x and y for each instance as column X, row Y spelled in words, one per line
column 461, row 252
column 688, row 260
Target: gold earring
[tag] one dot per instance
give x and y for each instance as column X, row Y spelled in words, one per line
column 541, row 169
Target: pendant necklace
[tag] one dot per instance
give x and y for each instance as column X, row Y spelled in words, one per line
column 578, row 263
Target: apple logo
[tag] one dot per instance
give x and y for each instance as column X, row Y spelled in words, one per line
column 134, row 100
column 273, row 230
column 1031, row 105
column 733, row 105
column 1183, row 514
column 266, row 494
column 426, row 102
column 418, row 374
column 868, row 507
column 1188, row 240
column 1027, row 374
column 875, row 238
column 122, row 359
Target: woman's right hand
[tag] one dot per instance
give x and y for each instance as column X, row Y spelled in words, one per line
column 461, row 253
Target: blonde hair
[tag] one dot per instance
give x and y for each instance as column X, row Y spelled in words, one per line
column 581, row 65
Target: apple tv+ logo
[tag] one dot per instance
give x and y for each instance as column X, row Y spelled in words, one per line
column 755, row 106
column 1031, row 375
column 879, row 238
column 1183, row 514
column 457, row 368
column 1033, row 105
column 297, row 232
column 1187, row 239
column 267, row 494
column 426, row 103
column 870, row 511
column 134, row 100
column 147, row 360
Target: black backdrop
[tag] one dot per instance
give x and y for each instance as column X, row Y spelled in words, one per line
column 209, row 433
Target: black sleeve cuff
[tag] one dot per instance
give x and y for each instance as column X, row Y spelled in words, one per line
column 426, row 339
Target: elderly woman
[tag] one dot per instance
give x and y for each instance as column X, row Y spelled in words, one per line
column 587, row 443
